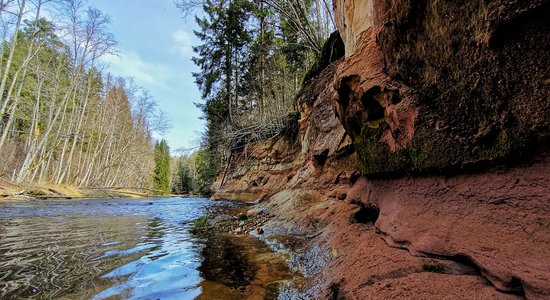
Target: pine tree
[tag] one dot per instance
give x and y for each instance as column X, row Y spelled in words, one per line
column 162, row 167
column 253, row 57
column 186, row 181
column 221, row 57
column 224, row 35
column 183, row 179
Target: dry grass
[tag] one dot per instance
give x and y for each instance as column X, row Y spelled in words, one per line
column 25, row 191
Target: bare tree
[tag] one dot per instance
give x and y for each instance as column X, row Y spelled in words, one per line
column 314, row 23
column 187, row 7
column 65, row 119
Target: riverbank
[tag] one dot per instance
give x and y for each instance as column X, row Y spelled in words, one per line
column 239, row 263
column 460, row 236
column 10, row 191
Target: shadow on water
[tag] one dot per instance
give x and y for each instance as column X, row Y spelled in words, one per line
column 241, row 267
column 225, row 262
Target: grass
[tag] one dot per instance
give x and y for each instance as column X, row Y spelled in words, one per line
column 201, row 222
column 26, row 190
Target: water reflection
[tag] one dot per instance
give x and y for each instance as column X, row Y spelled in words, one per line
column 93, row 250
column 167, row 269
column 129, row 250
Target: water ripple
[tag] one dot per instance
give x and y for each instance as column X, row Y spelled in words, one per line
column 92, row 250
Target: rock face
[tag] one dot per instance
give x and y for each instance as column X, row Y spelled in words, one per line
column 437, row 85
column 496, row 221
column 354, row 18
column 422, row 167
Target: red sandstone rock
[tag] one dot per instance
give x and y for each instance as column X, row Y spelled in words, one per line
column 488, row 231
column 498, row 221
column 342, row 196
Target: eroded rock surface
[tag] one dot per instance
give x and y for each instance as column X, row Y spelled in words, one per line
column 432, row 85
column 421, row 169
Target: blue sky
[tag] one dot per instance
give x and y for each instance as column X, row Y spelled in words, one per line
column 154, row 47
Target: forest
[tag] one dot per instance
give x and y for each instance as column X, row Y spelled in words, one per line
column 274, row 149
column 253, row 57
column 64, row 119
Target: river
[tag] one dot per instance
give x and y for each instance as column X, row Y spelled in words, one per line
column 97, row 249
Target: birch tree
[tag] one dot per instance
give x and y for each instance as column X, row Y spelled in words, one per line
column 63, row 118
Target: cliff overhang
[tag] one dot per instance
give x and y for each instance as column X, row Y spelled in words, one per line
column 429, row 134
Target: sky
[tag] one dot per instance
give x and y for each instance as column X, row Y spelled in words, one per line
column 155, row 49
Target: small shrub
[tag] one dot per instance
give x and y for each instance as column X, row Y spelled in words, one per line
column 201, row 222
column 433, row 268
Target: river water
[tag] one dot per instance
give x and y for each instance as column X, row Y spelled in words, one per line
column 97, row 249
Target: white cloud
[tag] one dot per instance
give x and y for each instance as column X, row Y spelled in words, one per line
column 130, row 64
column 184, row 42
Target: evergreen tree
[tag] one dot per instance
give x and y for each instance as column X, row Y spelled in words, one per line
column 162, row 167
column 253, row 57
column 206, row 173
column 221, row 57
column 183, row 180
column 186, row 180
column 224, row 35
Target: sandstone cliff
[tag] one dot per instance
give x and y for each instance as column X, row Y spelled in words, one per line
column 421, row 169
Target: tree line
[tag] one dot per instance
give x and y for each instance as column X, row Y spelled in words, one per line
column 179, row 174
column 253, row 56
column 63, row 118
